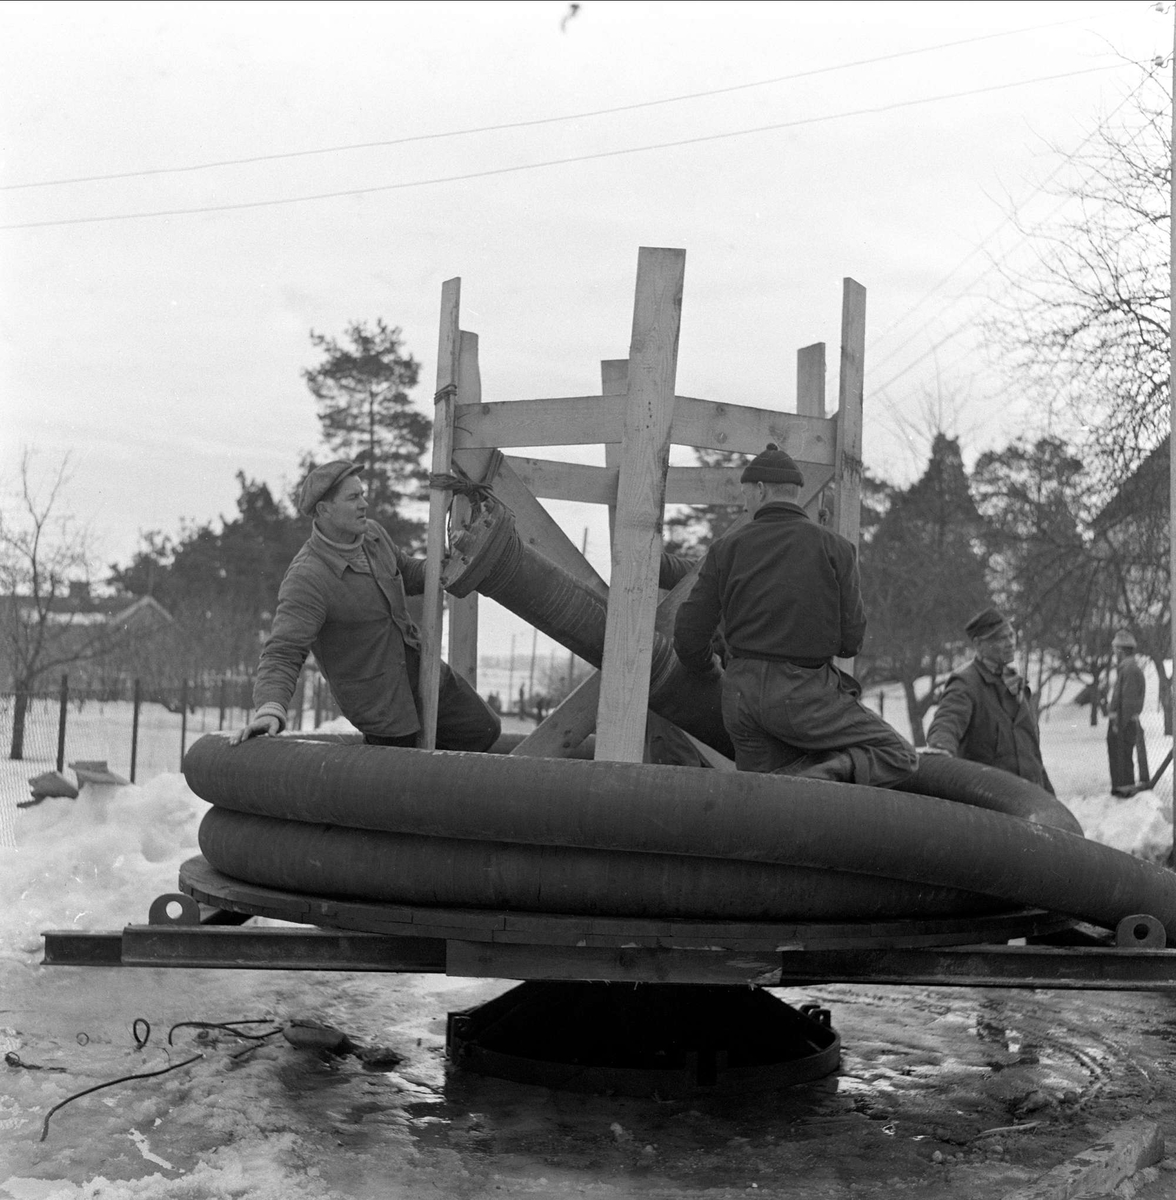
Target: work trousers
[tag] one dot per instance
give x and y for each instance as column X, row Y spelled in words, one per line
column 464, row 720
column 1124, row 740
column 780, row 715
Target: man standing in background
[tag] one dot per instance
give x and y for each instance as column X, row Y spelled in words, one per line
column 1124, row 731
column 986, row 713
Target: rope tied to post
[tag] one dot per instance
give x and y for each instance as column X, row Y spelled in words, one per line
column 461, row 484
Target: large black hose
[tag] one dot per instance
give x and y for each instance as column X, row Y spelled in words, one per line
column 398, row 868
column 654, row 809
column 490, row 557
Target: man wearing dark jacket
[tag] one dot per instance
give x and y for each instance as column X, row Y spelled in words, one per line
column 787, row 593
column 343, row 597
column 986, row 713
column 1124, row 732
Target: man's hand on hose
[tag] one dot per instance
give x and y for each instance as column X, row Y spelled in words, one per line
column 712, row 670
column 258, row 727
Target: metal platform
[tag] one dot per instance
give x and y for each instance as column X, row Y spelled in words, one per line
column 191, row 929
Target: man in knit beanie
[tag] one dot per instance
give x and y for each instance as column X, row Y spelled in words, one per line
column 343, row 597
column 787, row 595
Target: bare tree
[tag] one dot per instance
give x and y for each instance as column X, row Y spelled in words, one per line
column 42, row 551
column 1086, row 324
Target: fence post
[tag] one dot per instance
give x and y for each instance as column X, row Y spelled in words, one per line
column 138, row 699
column 183, row 721
column 64, row 709
column 220, row 721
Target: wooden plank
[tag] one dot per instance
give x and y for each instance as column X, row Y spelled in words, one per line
column 614, row 381
column 641, row 493
column 564, row 729
column 847, row 473
column 535, row 525
column 445, row 400
column 463, row 612
column 846, row 491
column 594, row 420
column 550, row 479
column 810, row 380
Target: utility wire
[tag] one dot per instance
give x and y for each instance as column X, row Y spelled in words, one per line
column 581, row 116
column 556, row 162
column 1067, row 161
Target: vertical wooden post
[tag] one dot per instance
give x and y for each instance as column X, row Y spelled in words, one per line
column 463, row 613
column 1171, row 721
column 448, row 351
column 847, row 469
column 641, row 490
column 62, row 714
column 810, row 380
column 136, row 705
column 810, row 399
column 183, row 721
column 614, row 381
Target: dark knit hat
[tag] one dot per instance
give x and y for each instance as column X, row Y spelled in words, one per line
column 985, row 623
column 772, row 465
column 320, row 481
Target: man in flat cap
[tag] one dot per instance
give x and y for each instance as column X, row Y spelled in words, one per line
column 343, row 597
column 786, row 591
column 986, row 713
column 1124, row 731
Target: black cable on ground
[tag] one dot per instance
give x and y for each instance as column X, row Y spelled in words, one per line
column 141, row 1039
column 110, row 1083
column 226, row 1026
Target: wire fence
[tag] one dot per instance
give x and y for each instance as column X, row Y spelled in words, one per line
column 131, row 731
column 138, row 733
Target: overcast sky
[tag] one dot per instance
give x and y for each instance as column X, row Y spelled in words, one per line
column 163, row 352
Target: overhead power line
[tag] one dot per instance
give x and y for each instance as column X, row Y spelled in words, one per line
column 531, row 123
column 554, row 162
column 995, row 263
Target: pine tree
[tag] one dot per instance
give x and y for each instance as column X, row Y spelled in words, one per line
column 923, row 578
column 364, row 409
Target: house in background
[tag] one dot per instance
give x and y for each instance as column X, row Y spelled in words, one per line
column 103, row 643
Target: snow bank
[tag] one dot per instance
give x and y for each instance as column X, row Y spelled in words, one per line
column 1140, row 825
column 95, row 862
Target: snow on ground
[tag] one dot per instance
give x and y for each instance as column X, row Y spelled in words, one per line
column 265, row 1124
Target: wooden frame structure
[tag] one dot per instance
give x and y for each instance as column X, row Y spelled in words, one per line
column 636, row 417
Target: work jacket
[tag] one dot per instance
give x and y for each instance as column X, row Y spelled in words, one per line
column 1127, row 695
column 357, row 626
column 785, row 588
column 980, row 719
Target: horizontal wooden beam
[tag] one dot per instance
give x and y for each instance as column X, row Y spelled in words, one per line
column 594, row 420
column 552, row 480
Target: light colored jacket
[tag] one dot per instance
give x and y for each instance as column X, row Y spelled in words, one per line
column 357, row 626
column 1128, row 694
